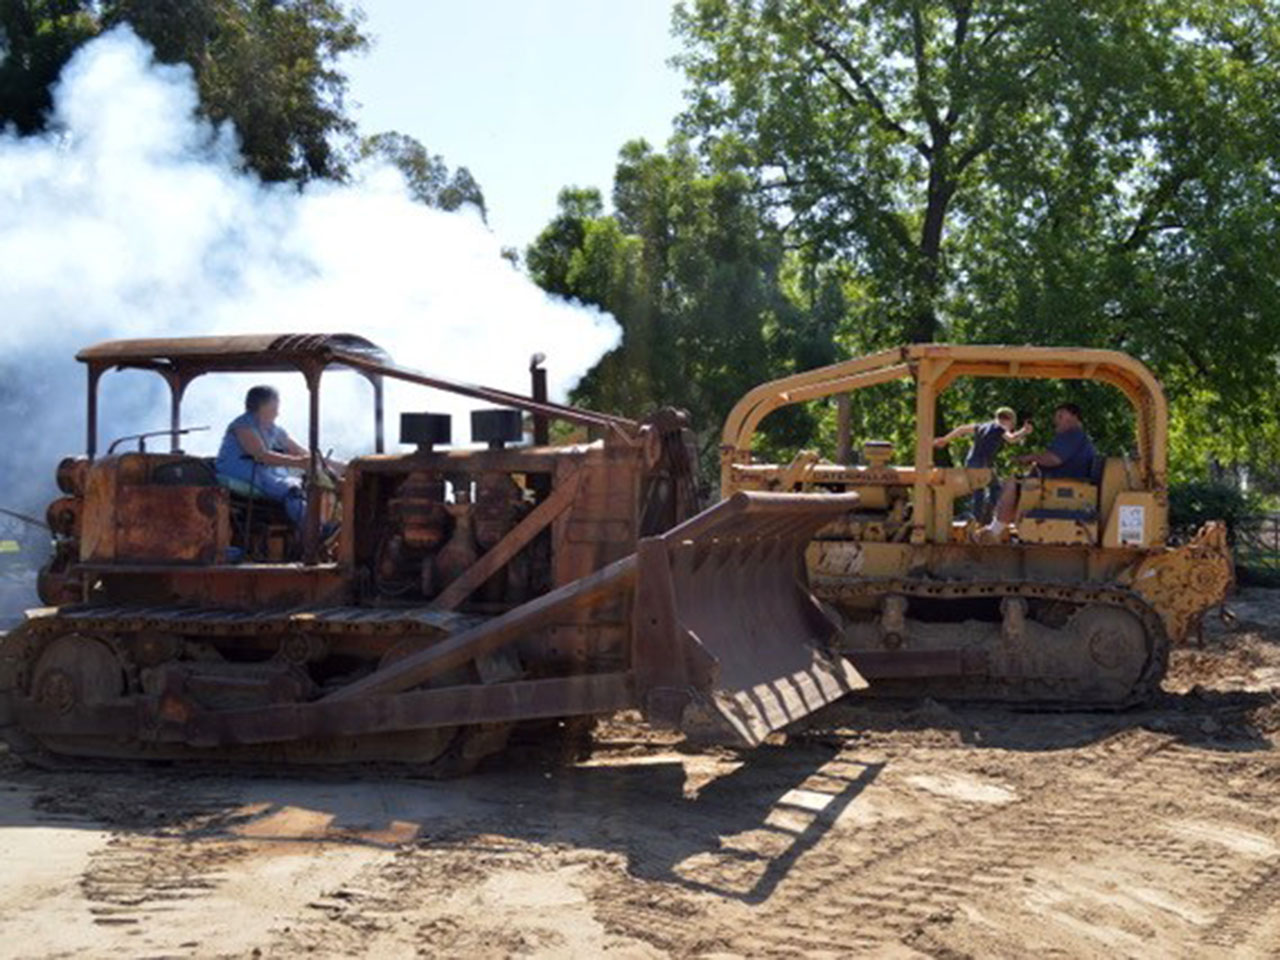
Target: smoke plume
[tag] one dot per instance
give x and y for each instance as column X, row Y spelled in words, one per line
column 132, row 217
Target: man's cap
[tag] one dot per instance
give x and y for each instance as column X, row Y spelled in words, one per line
column 1005, row 412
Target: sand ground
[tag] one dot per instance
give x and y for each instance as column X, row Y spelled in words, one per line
column 887, row 830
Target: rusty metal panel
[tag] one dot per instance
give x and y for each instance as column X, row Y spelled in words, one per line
column 598, row 529
column 245, row 586
column 418, row 710
column 581, row 530
column 97, row 519
column 170, row 524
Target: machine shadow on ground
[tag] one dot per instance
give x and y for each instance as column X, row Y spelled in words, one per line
column 644, row 808
column 745, row 828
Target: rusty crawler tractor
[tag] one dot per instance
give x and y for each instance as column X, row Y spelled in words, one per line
column 468, row 591
column 1077, row 608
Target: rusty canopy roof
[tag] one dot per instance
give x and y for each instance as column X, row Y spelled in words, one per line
column 194, row 355
column 182, row 359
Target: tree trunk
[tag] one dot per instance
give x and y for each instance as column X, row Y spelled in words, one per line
column 924, row 327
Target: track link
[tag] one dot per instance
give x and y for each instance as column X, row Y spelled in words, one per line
column 307, row 633
column 1026, row 691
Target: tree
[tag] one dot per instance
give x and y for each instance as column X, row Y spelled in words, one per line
column 270, row 67
column 694, row 272
column 550, row 257
column 864, row 119
column 37, row 37
column 428, row 176
column 1097, row 172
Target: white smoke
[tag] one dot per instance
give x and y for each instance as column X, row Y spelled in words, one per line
column 131, row 218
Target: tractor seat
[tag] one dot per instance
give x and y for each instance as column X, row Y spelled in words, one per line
column 1063, row 498
column 244, row 494
column 241, row 488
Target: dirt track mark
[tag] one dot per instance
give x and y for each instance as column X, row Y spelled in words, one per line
column 136, row 876
column 881, row 885
column 1252, row 915
column 428, row 894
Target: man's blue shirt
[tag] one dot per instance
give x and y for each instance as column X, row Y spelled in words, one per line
column 1074, row 448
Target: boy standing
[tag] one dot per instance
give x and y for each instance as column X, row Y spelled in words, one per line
column 988, row 439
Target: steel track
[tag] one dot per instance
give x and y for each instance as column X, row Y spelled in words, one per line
column 21, row 648
column 838, row 591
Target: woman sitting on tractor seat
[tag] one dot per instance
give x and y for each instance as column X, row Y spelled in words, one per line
column 258, row 454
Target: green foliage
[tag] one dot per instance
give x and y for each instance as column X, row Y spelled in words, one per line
column 428, row 176
column 550, row 257
column 1086, row 172
column 709, row 300
column 37, row 37
column 270, row 67
column 1196, row 502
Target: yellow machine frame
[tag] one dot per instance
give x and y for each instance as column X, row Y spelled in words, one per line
column 934, row 368
column 1122, row 542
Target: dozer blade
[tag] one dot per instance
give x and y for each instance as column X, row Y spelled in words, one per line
column 728, row 644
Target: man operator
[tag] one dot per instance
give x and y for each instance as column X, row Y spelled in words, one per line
column 258, row 452
column 1070, row 456
column 989, row 438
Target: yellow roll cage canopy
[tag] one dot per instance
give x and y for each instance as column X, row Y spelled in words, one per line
column 934, row 367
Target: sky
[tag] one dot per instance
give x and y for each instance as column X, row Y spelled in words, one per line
column 531, row 95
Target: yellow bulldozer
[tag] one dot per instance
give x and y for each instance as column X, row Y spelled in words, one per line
column 1076, row 606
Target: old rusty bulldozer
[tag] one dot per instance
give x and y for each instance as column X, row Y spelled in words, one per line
column 468, row 592
column 1078, row 607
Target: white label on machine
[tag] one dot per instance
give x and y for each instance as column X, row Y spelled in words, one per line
column 1132, row 521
